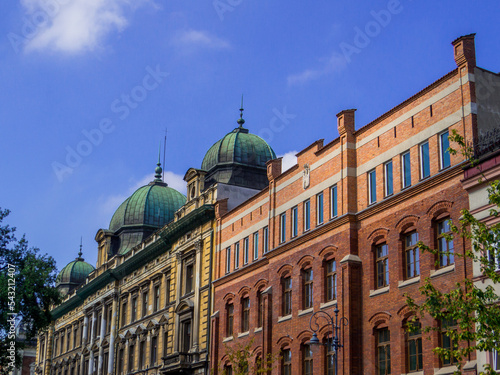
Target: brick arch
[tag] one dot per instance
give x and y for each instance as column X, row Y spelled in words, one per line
column 286, row 268
column 244, row 291
column 328, row 251
column 378, row 234
column 405, row 312
column 261, row 284
column 304, row 336
column 379, row 318
column 325, row 331
column 284, row 341
column 406, row 222
column 257, row 350
column 439, row 208
column 228, row 297
column 305, row 260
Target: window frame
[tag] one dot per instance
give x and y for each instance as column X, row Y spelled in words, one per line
column 440, row 237
column 382, row 259
column 265, row 239
column 156, row 296
column 307, row 215
column 331, row 280
column 283, row 227
column 256, row 246
column 307, row 288
column 444, row 155
column 386, row 347
column 287, row 289
column 425, row 162
column 133, row 317
column 145, row 303
column 286, row 361
column 388, row 181
column 414, row 250
column 246, row 250
column 229, row 319
column 320, row 209
column 153, row 350
column 237, row 255
column 189, row 277
column 295, row 221
column 445, row 326
column 372, row 187
column 245, row 314
column 228, row 259
column 307, row 359
column 260, row 309
column 405, row 173
column 333, row 201
column 414, row 336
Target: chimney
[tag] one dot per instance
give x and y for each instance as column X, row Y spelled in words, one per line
column 273, row 168
column 465, row 50
column 346, row 121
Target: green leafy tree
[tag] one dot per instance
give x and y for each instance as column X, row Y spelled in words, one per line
column 474, row 311
column 27, row 291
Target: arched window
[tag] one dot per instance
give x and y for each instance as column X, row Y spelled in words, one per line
column 229, row 319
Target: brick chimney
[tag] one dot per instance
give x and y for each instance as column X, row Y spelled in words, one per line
column 465, row 50
column 273, row 168
column 345, row 121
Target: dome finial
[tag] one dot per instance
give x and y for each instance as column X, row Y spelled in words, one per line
column 158, row 169
column 80, row 253
column 241, row 121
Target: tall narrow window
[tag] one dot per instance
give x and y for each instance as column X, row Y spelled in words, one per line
column 228, row 259
column 447, row 343
column 333, row 201
column 131, row 359
column 156, row 304
column 372, row 187
column 142, row 354
column 255, row 245
column 62, row 342
column 167, row 289
column 260, row 309
column 295, row 221
column 282, row 228
column 265, row 239
column 307, row 215
column 236, row 255
column 330, row 357
column 496, row 359
column 286, row 362
column 383, row 351
column 406, row 168
column 445, row 246
column 186, row 336
column 189, row 278
column 307, row 279
column 382, row 264
column 245, row 250
column 121, row 359
column 412, row 255
column 331, row 280
column 414, row 348
column 308, row 359
column 425, row 163
column 134, row 309
column 287, row 295
column 444, row 145
column 245, row 314
column 154, row 350
column 229, row 319
column 389, row 187
column 493, row 253
column 145, row 304
column 319, row 209
column 75, row 335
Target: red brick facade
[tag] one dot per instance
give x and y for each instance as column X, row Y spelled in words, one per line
column 372, row 214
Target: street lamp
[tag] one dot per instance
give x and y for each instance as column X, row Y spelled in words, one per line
column 336, row 332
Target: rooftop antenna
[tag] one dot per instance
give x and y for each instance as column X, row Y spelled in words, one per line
column 241, row 121
column 164, row 151
column 158, row 169
column 80, row 253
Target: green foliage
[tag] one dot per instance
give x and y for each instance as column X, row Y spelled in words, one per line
column 27, row 291
column 475, row 310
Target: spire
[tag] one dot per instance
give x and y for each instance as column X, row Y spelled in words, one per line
column 241, row 121
column 80, row 253
column 158, row 170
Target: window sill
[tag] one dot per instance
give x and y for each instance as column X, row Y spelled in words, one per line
column 376, row 292
column 415, row 373
column 284, row 318
column 442, row 271
column 328, row 304
column 243, row 334
column 306, row 311
column 445, row 370
column 256, row 330
column 226, row 339
column 413, row 280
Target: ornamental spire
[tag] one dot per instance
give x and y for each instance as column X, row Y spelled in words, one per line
column 80, row 253
column 241, row 121
column 158, row 170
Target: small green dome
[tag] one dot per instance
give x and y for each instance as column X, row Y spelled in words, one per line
column 73, row 275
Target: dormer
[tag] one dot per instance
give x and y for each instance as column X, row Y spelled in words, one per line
column 195, row 179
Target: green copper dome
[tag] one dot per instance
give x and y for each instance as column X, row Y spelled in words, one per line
column 73, row 275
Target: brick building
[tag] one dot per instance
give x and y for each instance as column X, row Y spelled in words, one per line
column 338, row 230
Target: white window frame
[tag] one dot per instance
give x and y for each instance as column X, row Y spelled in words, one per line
column 443, row 150
column 295, row 221
column 386, row 179
column 334, row 202
column 420, row 147
column 496, row 260
column 228, row 259
column 283, row 227
column 265, row 239
column 236, row 255
column 318, row 206
column 372, row 200
column 403, row 172
column 256, row 245
column 307, row 219
column 246, row 250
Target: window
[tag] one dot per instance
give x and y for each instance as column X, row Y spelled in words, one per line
column 414, row 348
column 144, row 304
column 286, row 362
column 389, row 187
column 425, row 164
column 142, row 354
column 307, row 279
column 260, row 309
column 295, row 221
column 121, row 359
column 446, row 341
column 330, row 357
column 229, row 319
column 411, row 255
column 494, row 254
column 186, row 335
column 105, row 363
column 165, row 342
column 406, row 168
column 333, row 201
column 245, row 250
column 134, row 309
column 382, row 265
column 131, row 359
column 68, row 341
column 308, row 359
column 167, row 289
column 98, row 325
column 245, row 314
column 496, row 359
column 154, row 350
column 189, row 278
column 307, row 215
column 228, row 370
column 445, row 246
column 282, row 228
column 372, row 187
column 228, row 259
column 287, row 295
column 319, row 209
column 383, row 351
column 156, row 305
column 109, row 310
column 62, row 343
column 236, row 255
column 265, row 239
column 124, row 314
column 444, row 143
column 331, row 280
column 255, row 245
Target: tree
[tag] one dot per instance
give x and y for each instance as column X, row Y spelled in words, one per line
column 27, row 292
column 475, row 310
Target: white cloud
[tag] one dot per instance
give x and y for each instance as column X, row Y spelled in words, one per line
column 75, row 26
column 289, row 160
column 190, row 38
column 334, row 63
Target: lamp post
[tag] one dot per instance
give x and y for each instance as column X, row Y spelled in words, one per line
column 337, row 342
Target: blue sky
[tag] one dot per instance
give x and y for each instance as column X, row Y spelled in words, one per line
column 88, row 88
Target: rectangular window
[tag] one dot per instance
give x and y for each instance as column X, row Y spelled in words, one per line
column 245, row 250
column 265, row 239
column 245, row 314
column 295, row 221
column 445, row 246
column 493, row 253
column 255, row 245
column 496, row 359
column 447, row 343
column 308, row 360
column 382, row 265
column 236, row 255
column 167, row 289
column 121, row 359
column 406, row 168
column 260, row 309
column 228, row 259
column 412, row 255
column 330, row 357
column 383, row 351
column 319, row 209
column 307, row 215
column 189, row 278
column 333, row 201
column 286, row 362
column 414, row 348
column 157, row 298
column 186, row 336
column 131, row 359
column 389, row 187
column 145, row 304
column 134, row 310
column 425, row 163
column 372, row 187
column 287, row 295
column 307, row 279
column 282, row 228
column 331, row 280
column 229, row 320
column 444, row 143
column 154, row 350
